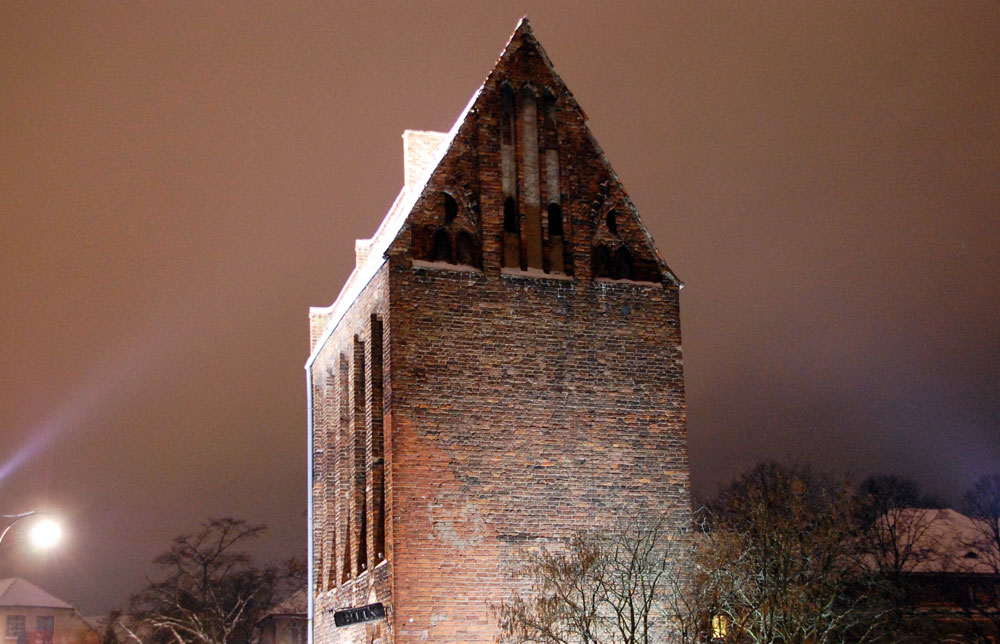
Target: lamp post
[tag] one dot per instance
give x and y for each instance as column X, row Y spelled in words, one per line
column 45, row 533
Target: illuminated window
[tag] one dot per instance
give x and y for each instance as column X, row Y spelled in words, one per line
column 720, row 627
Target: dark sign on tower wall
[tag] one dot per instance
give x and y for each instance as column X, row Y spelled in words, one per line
column 349, row 616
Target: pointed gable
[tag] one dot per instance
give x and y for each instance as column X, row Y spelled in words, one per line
column 518, row 185
column 522, row 185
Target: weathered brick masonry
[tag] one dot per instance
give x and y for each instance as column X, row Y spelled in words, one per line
column 502, row 368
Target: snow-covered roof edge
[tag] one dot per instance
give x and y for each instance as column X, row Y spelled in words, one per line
column 15, row 591
column 635, row 211
column 407, row 198
column 525, row 27
column 383, row 237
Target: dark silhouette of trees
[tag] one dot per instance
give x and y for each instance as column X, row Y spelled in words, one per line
column 210, row 590
column 779, row 553
column 779, row 556
column 772, row 559
column 981, row 504
column 894, row 533
column 882, row 493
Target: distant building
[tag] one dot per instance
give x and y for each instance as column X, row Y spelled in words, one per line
column 287, row 622
column 952, row 573
column 502, row 368
column 30, row 615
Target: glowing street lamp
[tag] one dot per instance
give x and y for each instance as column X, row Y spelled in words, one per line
column 44, row 534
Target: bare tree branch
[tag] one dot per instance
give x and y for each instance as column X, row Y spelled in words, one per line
column 211, row 591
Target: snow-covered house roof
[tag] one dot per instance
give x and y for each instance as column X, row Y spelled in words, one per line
column 16, row 592
column 295, row 605
column 950, row 541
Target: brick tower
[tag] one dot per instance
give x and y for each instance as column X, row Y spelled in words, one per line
column 501, row 368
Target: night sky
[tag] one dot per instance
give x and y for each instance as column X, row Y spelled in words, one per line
column 180, row 181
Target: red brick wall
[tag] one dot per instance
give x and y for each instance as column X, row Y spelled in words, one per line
column 522, row 409
column 343, row 413
column 518, row 406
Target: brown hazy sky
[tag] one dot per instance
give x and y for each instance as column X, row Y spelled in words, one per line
column 180, row 181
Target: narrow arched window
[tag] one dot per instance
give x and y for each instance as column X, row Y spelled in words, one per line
column 377, row 437
column 450, row 208
column 346, row 574
column 511, row 234
column 530, row 195
column 612, row 221
column 557, row 251
column 441, row 249
column 359, row 493
column 549, row 111
column 602, row 261
column 345, row 441
column 363, row 537
column 466, row 250
column 507, row 126
column 511, row 223
column 555, row 220
column 621, row 267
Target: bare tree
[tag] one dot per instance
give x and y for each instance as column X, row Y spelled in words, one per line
column 615, row 585
column 779, row 558
column 896, row 522
column 211, row 591
column 881, row 493
column 982, row 505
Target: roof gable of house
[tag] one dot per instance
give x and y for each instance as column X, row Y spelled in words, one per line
column 15, row 591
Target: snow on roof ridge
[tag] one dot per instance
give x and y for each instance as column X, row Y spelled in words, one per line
column 391, row 224
column 393, row 221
